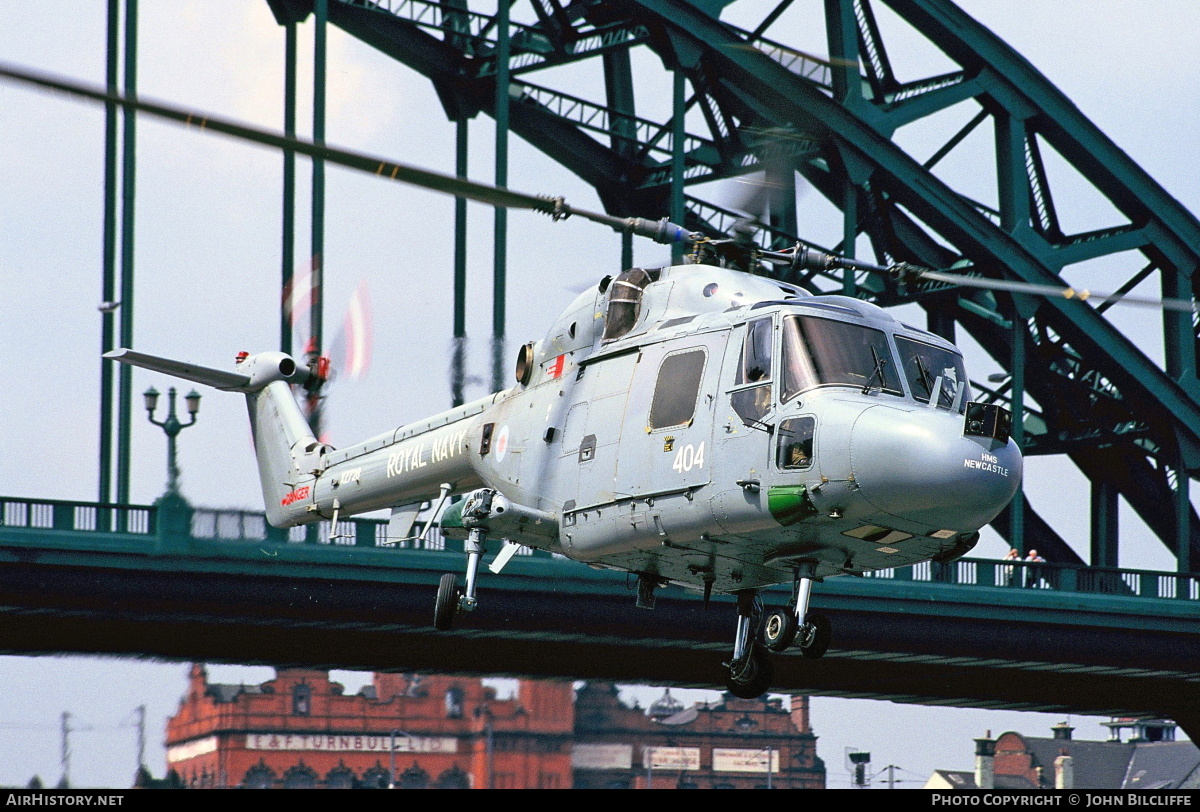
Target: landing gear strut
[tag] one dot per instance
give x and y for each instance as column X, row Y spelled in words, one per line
column 758, row 634
column 451, row 598
column 751, row 669
column 795, row 624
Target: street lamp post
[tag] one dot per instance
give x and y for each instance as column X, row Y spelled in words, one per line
column 171, row 426
column 392, row 772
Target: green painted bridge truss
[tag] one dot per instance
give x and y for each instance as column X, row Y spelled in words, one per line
column 744, row 100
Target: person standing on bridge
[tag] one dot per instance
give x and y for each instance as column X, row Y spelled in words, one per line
column 1008, row 570
column 1034, row 573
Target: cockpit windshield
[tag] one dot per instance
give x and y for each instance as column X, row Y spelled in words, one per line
column 931, row 369
column 820, row 352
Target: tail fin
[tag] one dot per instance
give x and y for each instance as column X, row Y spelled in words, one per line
column 283, row 442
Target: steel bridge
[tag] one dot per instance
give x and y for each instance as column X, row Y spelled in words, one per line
column 223, row 586
column 1132, row 427
column 1087, row 636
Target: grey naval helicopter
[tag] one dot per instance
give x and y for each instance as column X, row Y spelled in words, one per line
column 694, row 425
column 697, row 425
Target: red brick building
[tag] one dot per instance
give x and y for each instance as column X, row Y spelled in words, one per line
column 721, row 745
column 300, row 730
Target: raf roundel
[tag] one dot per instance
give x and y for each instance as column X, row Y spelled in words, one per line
column 501, row 443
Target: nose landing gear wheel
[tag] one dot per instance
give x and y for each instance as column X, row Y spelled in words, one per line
column 446, row 608
column 779, row 629
column 751, row 678
column 814, row 635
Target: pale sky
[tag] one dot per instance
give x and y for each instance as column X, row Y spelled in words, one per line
column 207, row 242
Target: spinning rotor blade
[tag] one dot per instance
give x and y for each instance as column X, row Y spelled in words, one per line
column 804, row 257
column 1185, row 305
column 660, row 231
column 343, row 157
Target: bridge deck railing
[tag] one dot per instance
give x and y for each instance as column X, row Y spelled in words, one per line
column 1007, row 574
column 209, row 531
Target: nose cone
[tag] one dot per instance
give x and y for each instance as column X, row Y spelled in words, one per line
column 916, row 464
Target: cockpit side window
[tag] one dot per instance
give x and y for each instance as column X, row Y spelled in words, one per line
column 821, row 352
column 931, row 369
column 754, row 367
column 796, row 442
column 756, row 353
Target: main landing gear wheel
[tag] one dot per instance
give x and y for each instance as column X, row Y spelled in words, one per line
column 779, row 629
column 448, row 597
column 814, row 636
column 751, row 678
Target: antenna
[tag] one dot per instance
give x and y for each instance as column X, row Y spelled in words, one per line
column 65, row 781
column 141, row 736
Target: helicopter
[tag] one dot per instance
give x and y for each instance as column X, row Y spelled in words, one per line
column 694, row 425
column 699, row 424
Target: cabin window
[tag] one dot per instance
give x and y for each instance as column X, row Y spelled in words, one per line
column 796, row 442
column 677, row 388
column 925, row 365
column 454, row 703
column 301, row 700
column 824, row 352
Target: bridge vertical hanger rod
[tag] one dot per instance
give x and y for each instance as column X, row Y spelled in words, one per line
column 128, row 186
column 457, row 371
column 1104, row 523
column 320, row 18
column 849, row 233
column 500, row 245
column 780, row 176
column 317, row 226
column 1183, row 518
column 288, row 263
column 108, row 286
column 619, row 97
column 678, row 133
column 1016, row 533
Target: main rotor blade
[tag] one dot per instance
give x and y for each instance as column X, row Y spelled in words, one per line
column 1185, row 305
column 460, row 187
column 661, row 231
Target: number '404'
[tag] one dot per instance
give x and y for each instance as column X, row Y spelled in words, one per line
column 689, row 457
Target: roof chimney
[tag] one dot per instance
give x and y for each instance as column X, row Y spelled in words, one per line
column 985, row 762
column 1064, row 772
column 1062, row 731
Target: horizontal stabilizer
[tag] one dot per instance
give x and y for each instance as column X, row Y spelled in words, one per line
column 180, row 369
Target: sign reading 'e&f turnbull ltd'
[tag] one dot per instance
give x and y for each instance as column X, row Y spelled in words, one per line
column 356, row 743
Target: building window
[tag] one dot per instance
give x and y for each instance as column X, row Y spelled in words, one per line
column 302, row 700
column 413, row 778
column 260, row 776
column 300, row 777
column 454, row 703
column 340, row 777
column 454, row 778
column 375, row 777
